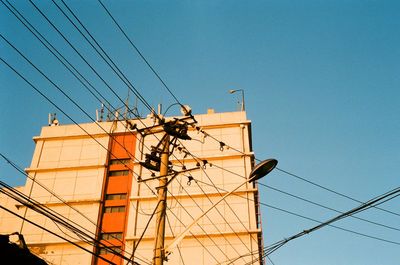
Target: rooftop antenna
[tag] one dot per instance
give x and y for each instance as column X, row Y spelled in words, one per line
column 109, row 113
column 53, row 119
column 99, row 114
column 135, row 110
column 126, row 107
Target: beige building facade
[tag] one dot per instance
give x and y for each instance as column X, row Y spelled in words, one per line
column 108, row 194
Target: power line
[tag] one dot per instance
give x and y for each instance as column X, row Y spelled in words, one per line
column 223, row 144
column 227, row 204
column 49, row 100
column 126, row 81
column 79, row 54
column 211, row 221
column 23, row 78
column 362, row 219
column 198, row 240
column 68, row 97
column 172, row 232
column 53, row 215
column 63, row 93
column 55, row 105
column 188, row 213
column 374, row 206
column 57, row 196
column 131, row 259
column 67, row 64
column 199, row 160
column 332, row 191
column 128, row 84
column 365, row 206
column 326, row 207
column 55, row 234
column 139, row 52
column 54, row 84
column 119, row 73
column 310, row 219
column 375, row 223
column 63, row 2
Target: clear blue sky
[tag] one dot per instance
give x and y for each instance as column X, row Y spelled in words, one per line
column 322, row 89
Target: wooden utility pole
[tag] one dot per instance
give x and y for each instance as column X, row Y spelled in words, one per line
column 159, row 253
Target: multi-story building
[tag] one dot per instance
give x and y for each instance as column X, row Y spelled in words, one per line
column 95, row 176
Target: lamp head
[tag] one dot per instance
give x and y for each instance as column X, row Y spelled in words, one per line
column 262, row 169
column 232, row 91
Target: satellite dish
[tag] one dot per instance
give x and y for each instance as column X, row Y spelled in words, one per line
column 262, row 169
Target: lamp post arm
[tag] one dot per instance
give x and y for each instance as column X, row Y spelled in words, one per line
column 178, row 239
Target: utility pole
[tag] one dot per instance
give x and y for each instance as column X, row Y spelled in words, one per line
column 159, row 253
column 158, row 160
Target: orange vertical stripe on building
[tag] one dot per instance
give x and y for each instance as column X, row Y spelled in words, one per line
column 113, row 215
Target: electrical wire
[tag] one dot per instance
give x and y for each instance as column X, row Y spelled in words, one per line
column 194, row 236
column 172, row 233
column 119, row 73
column 131, row 43
column 390, row 195
column 140, row 53
column 64, row 3
column 202, row 229
column 223, row 217
column 199, row 160
column 131, row 259
column 70, row 69
column 211, row 221
column 69, row 98
column 48, row 99
column 67, row 64
column 332, row 191
column 144, row 101
column 222, row 144
column 55, row 234
column 270, row 260
column 311, row 219
column 362, row 219
column 80, row 55
column 114, row 66
column 20, row 170
column 54, row 216
column 64, row 94
column 326, row 207
column 217, row 210
column 16, row 72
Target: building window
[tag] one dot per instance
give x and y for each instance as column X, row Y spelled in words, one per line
column 108, row 236
column 114, row 209
column 118, row 173
column 110, row 250
column 119, row 161
column 121, row 196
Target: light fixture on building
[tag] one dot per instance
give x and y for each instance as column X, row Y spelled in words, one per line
column 241, row 90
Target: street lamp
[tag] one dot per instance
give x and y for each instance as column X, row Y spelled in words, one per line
column 259, row 171
column 241, row 90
